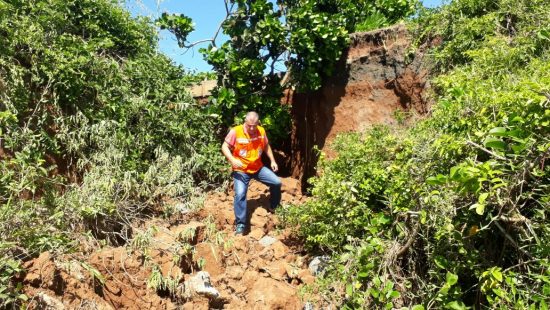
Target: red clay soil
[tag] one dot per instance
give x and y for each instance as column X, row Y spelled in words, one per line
column 375, row 80
column 247, row 274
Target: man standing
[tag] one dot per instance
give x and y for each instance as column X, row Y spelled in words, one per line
column 243, row 148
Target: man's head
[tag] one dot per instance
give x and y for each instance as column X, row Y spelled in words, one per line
column 251, row 121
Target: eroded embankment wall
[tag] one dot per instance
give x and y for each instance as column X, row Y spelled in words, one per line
column 378, row 75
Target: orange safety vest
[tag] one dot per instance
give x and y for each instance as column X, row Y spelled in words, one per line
column 249, row 150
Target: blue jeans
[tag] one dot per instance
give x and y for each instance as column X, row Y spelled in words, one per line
column 241, row 180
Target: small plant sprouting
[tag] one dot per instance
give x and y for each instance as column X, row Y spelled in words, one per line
column 143, row 239
column 187, row 234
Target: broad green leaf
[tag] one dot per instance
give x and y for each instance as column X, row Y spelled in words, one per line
column 455, row 305
column 483, row 197
column 394, row 294
column 436, row 180
column 451, row 278
column 453, row 172
column 349, row 289
column 441, row 262
column 479, row 207
column 518, row 147
column 498, row 131
column 495, row 143
column 497, row 274
column 499, row 292
column 543, row 34
column 374, row 293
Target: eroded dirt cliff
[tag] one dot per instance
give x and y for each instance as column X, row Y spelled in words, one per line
column 379, row 80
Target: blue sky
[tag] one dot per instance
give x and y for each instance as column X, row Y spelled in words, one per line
column 206, row 14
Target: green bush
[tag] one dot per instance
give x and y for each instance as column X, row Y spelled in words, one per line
column 453, row 212
column 10, row 293
column 96, row 125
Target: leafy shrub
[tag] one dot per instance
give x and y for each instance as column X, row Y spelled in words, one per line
column 96, row 126
column 453, row 212
column 10, row 294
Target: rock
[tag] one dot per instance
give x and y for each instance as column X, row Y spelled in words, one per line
column 113, row 287
column 196, row 304
column 267, row 293
column 309, row 279
column 234, row 272
column 318, row 265
column 290, row 258
column 92, row 304
column 303, row 273
column 259, row 221
column 40, row 270
column 287, row 197
column 240, row 243
column 291, row 186
column 48, row 302
column 170, row 269
column 291, row 271
column 182, row 208
column 257, row 263
column 249, row 278
column 267, row 241
column 279, row 250
column 213, row 258
column 308, row 306
column 305, row 276
column 277, row 270
column 261, row 212
column 257, row 234
column 164, row 240
column 301, row 262
column 200, row 285
column 266, row 253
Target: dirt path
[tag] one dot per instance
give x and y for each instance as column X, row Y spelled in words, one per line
column 194, row 262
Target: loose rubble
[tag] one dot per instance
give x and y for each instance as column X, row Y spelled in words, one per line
column 195, row 262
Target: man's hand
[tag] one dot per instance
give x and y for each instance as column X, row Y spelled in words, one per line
column 274, row 166
column 236, row 163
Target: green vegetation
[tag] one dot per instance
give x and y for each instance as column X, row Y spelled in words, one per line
column 95, row 127
column 452, row 213
column 304, row 37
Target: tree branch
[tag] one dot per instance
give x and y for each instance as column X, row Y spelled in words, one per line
column 485, row 150
column 412, row 236
column 228, row 10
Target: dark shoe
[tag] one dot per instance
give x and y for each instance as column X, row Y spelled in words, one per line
column 240, row 230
